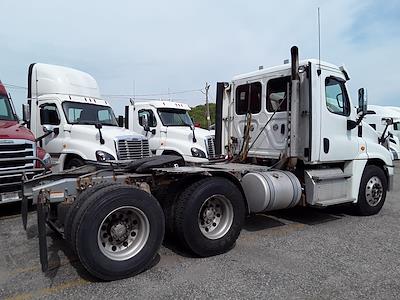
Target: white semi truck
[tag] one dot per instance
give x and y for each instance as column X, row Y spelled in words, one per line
column 291, row 136
column 170, row 130
column 376, row 118
column 66, row 103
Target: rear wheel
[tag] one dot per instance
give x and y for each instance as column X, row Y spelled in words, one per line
column 209, row 216
column 372, row 192
column 119, row 231
column 69, row 225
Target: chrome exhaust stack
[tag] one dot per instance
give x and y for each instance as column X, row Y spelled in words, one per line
column 294, row 109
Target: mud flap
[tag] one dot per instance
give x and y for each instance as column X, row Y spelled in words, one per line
column 41, row 222
column 24, row 211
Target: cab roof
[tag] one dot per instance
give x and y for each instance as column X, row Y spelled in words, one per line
column 286, row 67
column 164, row 104
column 47, row 79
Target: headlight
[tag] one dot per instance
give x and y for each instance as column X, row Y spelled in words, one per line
column 198, row 153
column 103, row 156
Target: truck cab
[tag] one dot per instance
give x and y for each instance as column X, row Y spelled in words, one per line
column 319, row 132
column 66, row 104
column 170, row 130
column 18, row 152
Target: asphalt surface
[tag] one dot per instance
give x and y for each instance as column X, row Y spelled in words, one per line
column 295, row 254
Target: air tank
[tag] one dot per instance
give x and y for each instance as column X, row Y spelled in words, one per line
column 271, row 190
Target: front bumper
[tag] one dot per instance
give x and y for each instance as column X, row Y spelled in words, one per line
column 11, row 183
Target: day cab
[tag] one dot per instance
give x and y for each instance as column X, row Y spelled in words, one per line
column 337, row 157
column 170, row 130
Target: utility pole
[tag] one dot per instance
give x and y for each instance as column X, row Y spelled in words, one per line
column 208, row 106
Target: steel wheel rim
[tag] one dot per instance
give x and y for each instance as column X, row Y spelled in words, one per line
column 374, row 191
column 215, row 217
column 123, row 233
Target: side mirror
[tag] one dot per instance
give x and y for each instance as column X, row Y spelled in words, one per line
column 145, row 122
column 120, row 121
column 26, row 113
column 362, row 101
column 98, row 126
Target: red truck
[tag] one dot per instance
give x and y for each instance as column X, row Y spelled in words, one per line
column 19, row 155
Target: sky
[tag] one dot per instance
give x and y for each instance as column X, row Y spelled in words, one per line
column 162, row 47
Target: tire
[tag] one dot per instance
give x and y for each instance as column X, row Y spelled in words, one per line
column 69, row 230
column 372, row 192
column 209, row 216
column 181, row 163
column 106, row 222
column 75, row 162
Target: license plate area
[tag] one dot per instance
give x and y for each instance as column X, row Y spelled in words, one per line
column 7, row 197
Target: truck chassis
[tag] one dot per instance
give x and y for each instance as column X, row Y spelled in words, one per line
column 138, row 202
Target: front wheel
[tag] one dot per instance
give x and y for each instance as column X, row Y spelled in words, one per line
column 119, row 232
column 73, row 163
column 372, row 192
column 209, row 216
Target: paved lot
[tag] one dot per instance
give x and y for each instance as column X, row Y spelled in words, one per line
column 299, row 253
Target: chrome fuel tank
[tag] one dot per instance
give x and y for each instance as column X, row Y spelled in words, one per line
column 271, row 190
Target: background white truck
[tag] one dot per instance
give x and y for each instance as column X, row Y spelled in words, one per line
column 67, row 102
column 291, row 136
column 376, row 119
column 170, row 130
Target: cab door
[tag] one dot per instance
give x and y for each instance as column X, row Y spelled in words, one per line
column 337, row 142
column 154, row 134
column 50, row 120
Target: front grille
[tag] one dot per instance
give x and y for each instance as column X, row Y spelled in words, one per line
column 16, row 154
column 211, row 147
column 132, row 149
column 16, row 159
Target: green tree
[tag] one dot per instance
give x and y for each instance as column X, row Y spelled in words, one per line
column 198, row 114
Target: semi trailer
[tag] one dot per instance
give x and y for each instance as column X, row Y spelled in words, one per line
column 291, row 136
column 66, row 104
column 19, row 155
column 170, row 130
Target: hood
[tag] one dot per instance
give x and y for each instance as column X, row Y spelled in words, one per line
column 90, row 133
column 184, row 133
column 14, row 130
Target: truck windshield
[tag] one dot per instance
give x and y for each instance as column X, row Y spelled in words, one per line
column 6, row 111
column 174, row 117
column 84, row 113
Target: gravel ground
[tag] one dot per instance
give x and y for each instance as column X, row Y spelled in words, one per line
column 298, row 253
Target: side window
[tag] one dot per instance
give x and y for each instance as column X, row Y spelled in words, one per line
column 104, row 116
column 74, row 114
column 248, row 98
column 337, row 101
column 373, row 126
column 277, row 94
column 395, row 126
column 49, row 115
column 150, row 116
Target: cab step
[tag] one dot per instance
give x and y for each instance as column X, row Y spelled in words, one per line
column 326, row 203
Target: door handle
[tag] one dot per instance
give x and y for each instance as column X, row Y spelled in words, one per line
column 326, row 145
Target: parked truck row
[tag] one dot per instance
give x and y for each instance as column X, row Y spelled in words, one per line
column 290, row 136
column 67, row 123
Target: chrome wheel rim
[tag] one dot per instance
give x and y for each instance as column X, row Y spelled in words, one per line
column 374, row 191
column 123, row 233
column 215, row 217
